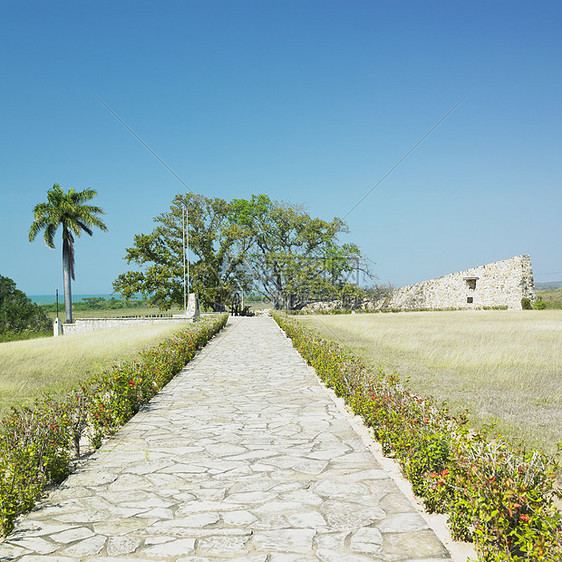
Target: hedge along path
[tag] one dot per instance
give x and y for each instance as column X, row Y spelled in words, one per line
column 243, row 455
column 36, row 442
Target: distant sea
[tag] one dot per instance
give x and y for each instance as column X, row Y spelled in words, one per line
column 51, row 299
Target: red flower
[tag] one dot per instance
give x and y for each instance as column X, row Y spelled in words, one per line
column 433, row 475
column 445, row 472
column 524, row 517
column 132, row 383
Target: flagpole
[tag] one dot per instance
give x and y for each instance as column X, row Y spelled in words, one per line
column 187, row 233
column 184, row 262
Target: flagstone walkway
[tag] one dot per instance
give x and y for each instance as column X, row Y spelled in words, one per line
column 242, row 456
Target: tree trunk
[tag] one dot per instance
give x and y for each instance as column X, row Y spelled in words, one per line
column 66, row 281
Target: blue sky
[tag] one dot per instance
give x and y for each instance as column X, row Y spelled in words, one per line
column 308, row 101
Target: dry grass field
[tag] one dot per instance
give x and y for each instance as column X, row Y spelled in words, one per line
column 54, row 365
column 500, row 365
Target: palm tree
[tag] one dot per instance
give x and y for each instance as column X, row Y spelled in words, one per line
column 66, row 210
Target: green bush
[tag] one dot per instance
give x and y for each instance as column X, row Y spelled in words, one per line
column 538, row 304
column 33, row 453
column 498, row 496
column 19, row 317
column 37, row 443
column 552, row 298
column 526, row 304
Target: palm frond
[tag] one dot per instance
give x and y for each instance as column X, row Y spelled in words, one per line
column 49, row 236
column 34, row 230
column 91, row 220
column 81, row 226
column 66, row 210
column 87, row 194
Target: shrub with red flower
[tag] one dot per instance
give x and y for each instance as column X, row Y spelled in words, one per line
column 36, row 443
column 495, row 495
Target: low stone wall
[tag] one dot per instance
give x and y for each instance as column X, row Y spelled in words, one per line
column 83, row 325
column 500, row 284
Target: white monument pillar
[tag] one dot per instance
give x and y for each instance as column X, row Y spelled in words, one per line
column 192, row 312
column 193, row 307
column 57, row 328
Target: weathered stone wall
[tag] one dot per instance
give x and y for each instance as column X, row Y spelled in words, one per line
column 322, row 307
column 503, row 283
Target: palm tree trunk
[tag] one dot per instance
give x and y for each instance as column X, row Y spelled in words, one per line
column 66, row 281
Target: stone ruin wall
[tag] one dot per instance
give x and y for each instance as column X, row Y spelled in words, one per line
column 503, row 283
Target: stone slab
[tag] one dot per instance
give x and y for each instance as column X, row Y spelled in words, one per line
column 244, row 456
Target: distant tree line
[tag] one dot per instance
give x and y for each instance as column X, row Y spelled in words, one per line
column 256, row 245
column 100, row 303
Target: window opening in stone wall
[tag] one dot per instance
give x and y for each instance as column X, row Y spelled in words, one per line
column 469, row 300
column 471, row 282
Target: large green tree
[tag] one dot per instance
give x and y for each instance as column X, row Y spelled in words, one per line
column 217, row 247
column 69, row 211
column 294, row 258
column 17, row 313
column 274, row 248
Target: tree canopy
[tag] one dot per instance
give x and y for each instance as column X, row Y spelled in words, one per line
column 17, row 313
column 216, row 247
column 294, row 258
column 259, row 245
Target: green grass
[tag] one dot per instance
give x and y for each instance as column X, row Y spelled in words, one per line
column 552, row 298
column 19, row 336
column 54, row 365
column 501, row 365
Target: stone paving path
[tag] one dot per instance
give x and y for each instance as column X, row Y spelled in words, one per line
column 242, row 456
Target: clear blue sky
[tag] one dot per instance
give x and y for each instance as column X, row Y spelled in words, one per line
column 308, row 101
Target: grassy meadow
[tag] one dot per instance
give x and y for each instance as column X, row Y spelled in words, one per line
column 500, row 365
column 552, row 297
column 54, row 365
